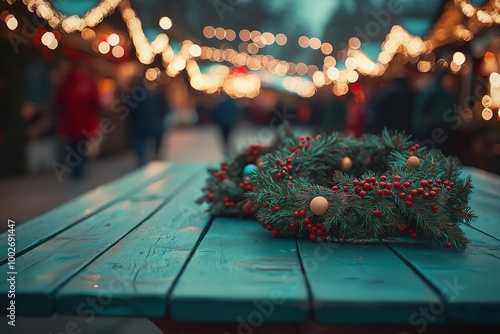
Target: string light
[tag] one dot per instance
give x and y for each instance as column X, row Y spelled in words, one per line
column 398, row 41
column 44, row 9
column 165, row 23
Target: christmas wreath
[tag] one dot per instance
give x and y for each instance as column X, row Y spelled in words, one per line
column 335, row 187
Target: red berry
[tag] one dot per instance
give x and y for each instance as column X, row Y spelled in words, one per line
column 290, row 178
column 292, row 226
column 397, row 185
column 417, row 146
column 420, row 191
column 362, row 193
column 448, row 244
column 435, row 208
column 335, row 188
column 295, row 214
column 387, row 192
column 289, row 168
column 410, row 198
column 448, row 188
column 269, row 227
column 388, row 185
column 413, row 192
column 397, row 178
column 355, row 183
column 276, row 233
column 424, row 183
column 409, row 203
column 357, row 190
column 435, row 189
column 406, row 184
column 446, row 182
column 367, row 186
column 377, row 213
column 310, row 226
column 426, row 195
column 413, row 235
column 432, row 193
column 307, row 220
column 438, row 181
column 265, row 205
column 277, row 208
column 345, row 188
column 402, row 195
column 383, row 178
column 302, row 213
column 279, row 175
column 380, row 192
column 312, row 237
column 429, row 182
column 381, row 185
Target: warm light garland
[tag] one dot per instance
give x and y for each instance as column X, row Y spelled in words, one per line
column 356, row 61
column 72, row 23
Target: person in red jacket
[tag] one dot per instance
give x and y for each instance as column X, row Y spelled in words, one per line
column 77, row 103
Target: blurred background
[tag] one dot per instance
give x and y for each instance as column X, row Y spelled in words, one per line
column 91, row 90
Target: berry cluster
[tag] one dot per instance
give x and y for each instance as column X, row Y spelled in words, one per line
column 221, row 175
column 246, row 186
column 304, row 143
column 252, row 152
column 316, row 230
column 284, row 168
column 413, row 149
column 383, row 187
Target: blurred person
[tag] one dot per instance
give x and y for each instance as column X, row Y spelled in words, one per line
column 77, row 104
column 38, row 116
column 147, row 121
column 393, row 108
column 431, row 108
column 227, row 115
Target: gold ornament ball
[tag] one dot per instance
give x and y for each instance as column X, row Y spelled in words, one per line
column 346, row 164
column 413, row 162
column 319, row 205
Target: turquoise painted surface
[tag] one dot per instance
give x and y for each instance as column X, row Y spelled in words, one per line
column 138, row 271
column 468, row 282
column 44, row 227
column 360, row 284
column 239, row 273
column 41, row 271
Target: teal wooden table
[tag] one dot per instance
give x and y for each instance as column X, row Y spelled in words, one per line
column 140, row 247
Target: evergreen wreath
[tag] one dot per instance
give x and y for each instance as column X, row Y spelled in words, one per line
column 335, row 187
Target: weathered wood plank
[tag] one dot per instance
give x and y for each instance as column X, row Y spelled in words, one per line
column 44, row 227
column 468, row 281
column 483, row 181
column 360, row 284
column 240, row 273
column 487, row 210
column 137, row 273
column 45, row 268
column 41, row 271
column 161, row 188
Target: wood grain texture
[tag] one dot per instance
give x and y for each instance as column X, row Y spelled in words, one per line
column 138, row 272
column 468, row 282
column 41, row 271
column 44, row 227
column 240, row 273
column 360, row 284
